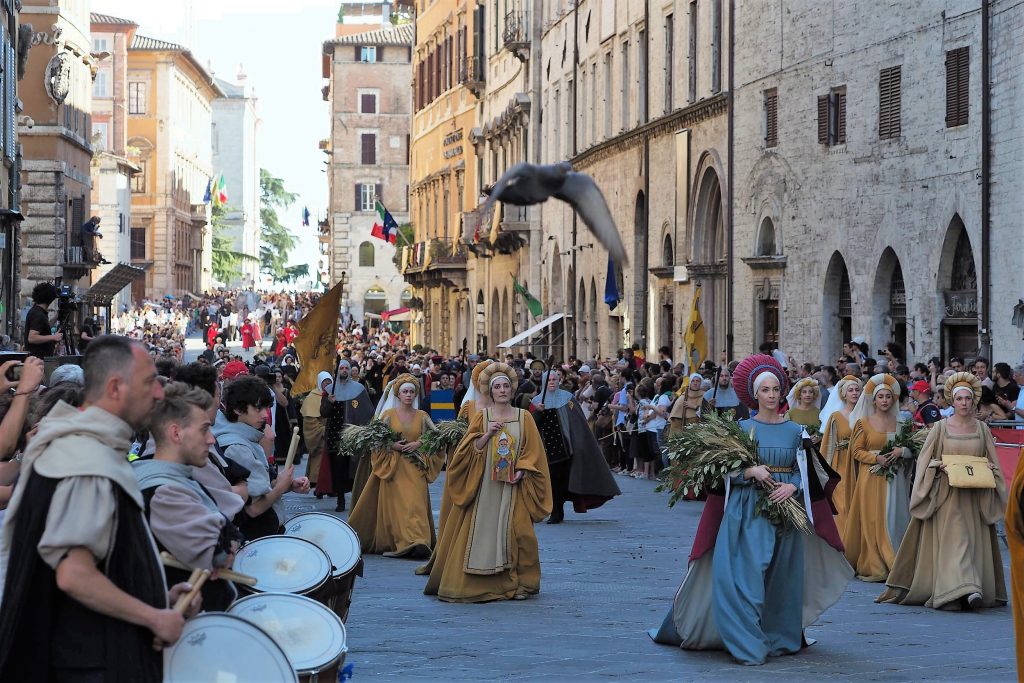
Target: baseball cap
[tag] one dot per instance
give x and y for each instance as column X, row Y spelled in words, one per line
column 234, row 369
column 921, row 386
column 584, row 368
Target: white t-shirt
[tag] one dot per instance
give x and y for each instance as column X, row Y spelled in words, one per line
column 656, row 423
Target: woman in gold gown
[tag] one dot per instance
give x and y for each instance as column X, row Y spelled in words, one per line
column 804, row 401
column 949, row 558
column 392, row 516
column 499, row 487
column 880, row 512
column 835, row 445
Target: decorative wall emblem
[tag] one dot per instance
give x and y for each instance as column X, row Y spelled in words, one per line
column 58, row 77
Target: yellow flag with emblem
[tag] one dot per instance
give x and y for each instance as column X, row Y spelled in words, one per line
column 695, row 336
column 317, row 341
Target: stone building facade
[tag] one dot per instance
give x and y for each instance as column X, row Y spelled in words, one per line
column 10, row 173
column 234, row 138
column 170, row 97
column 858, row 162
column 369, row 86
column 56, row 187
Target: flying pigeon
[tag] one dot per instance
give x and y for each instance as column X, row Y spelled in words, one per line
column 528, row 184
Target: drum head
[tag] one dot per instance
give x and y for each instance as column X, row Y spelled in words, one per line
column 283, row 564
column 310, row 634
column 337, row 538
column 218, row 647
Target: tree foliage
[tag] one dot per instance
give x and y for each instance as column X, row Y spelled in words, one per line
column 226, row 261
column 277, row 241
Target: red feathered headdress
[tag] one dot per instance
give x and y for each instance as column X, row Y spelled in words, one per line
column 748, row 370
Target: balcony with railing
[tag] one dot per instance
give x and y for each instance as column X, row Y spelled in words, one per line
column 435, row 262
column 472, row 74
column 516, row 33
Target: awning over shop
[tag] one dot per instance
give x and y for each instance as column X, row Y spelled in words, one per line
column 403, row 314
column 107, row 287
column 522, row 336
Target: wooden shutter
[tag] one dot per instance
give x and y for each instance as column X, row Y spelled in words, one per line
column 958, row 72
column 368, row 103
column 889, row 102
column 359, row 53
column 368, row 145
column 358, row 204
column 379, row 57
column 77, row 218
column 823, row 119
column 841, row 117
column 771, row 118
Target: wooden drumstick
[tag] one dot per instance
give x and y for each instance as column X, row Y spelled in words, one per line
column 226, row 574
column 198, row 578
column 293, row 447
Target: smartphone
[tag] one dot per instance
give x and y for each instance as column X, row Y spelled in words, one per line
column 13, row 373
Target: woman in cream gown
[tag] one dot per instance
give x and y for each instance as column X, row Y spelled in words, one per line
column 949, row 558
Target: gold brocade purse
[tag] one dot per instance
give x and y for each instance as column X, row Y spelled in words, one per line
column 969, row 472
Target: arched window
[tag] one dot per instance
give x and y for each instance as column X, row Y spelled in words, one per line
column 366, row 255
column 668, row 257
column 375, row 300
column 766, row 244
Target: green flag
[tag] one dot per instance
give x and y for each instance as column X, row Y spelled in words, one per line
column 531, row 301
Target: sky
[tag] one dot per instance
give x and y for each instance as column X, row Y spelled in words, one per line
column 278, row 45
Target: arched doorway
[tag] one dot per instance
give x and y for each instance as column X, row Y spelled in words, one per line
column 582, row 336
column 375, row 300
column 481, row 323
column 638, row 322
column 506, row 318
column 889, row 302
column 595, row 336
column 494, row 318
column 837, row 308
column 708, row 266
column 556, row 337
column 958, row 293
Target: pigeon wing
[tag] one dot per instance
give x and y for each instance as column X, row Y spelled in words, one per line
column 510, row 177
column 582, row 193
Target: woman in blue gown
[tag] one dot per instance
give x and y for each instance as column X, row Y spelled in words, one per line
column 761, row 584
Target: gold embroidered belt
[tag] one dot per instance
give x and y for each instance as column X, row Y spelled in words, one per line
column 780, row 470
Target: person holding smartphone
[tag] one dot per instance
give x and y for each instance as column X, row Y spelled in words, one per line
column 40, row 341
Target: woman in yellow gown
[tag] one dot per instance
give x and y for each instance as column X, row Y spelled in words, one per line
column 880, row 512
column 949, row 558
column 392, row 516
column 835, row 445
column 804, row 401
column 499, row 487
column 1015, row 539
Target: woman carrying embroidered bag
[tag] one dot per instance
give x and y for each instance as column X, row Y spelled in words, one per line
column 949, row 558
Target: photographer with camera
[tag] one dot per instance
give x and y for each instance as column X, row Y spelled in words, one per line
column 39, row 341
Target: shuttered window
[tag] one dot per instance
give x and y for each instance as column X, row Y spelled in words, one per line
column 771, row 118
column 832, row 117
column 889, row 102
column 368, row 148
column 367, row 195
column 368, row 103
column 958, row 79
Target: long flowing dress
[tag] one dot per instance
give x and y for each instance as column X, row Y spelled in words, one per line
column 392, row 516
column 1015, row 539
column 806, row 418
column 880, row 513
column 488, row 548
column 835, row 448
column 951, row 548
column 763, row 584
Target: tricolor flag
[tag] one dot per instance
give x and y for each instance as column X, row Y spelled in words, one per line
column 218, row 191
column 387, row 228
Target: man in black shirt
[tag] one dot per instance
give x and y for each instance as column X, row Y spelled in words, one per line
column 38, row 339
column 927, row 412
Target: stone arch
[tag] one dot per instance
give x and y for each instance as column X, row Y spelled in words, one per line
column 708, row 244
column 595, row 335
column 837, row 308
column 957, row 293
column 889, row 302
column 768, row 239
column 582, row 331
column 668, row 256
column 494, row 320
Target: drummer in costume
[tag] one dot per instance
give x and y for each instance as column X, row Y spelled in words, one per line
column 949, row 558
column 579, row 472
column 182, row 514
column 472, row 402
column 746, row 589
column 314, row 426
column 84, row 593
column 835, row 444
column 241, row 435
column 393, row 516
column 348, row 404
column 880, row 511
column 804, row 401
column 499, row 487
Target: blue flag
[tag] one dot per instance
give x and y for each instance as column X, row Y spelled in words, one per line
column 611, row 290
column 209, row 190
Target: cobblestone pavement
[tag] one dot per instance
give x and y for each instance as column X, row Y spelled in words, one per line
column 608, row 576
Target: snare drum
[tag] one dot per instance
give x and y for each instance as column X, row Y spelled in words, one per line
column 341, row 543
column 286, row 564
column 310, row 634
column 216, row 647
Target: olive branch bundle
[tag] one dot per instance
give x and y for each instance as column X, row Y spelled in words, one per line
column 359, row 441
column 906, row 437
column 444, row 437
